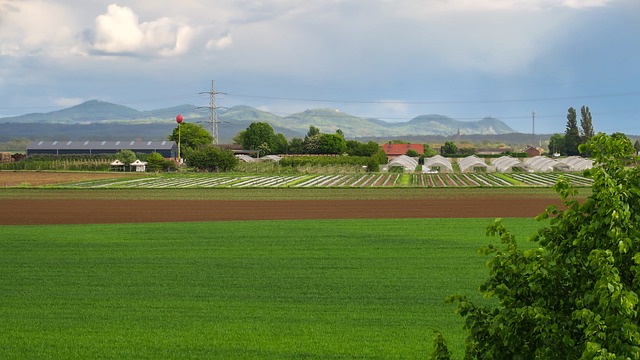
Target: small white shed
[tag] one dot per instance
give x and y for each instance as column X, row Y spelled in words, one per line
column 140, row 166
column 117, row 165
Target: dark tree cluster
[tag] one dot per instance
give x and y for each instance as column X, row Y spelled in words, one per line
column 568, row 143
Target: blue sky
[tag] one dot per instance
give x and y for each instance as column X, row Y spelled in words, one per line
column 388, row 59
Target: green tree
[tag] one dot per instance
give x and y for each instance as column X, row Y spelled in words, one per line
column 313, row 131
column 357, row 148
column 332, row 144
column 281, row 146
column 296, row 146
column 259, row 136
column 380, row 156
column 126, row 156
column 210, row 158
column 572, row 134
column 373, row 165
column 191, row 136
column 312, row 144
column 412, row 153
column 449, row 148
column 574, row 294
column 586, row 124
column 239, row 137
column 556, row 144
column 428, row 151
column 155, row 161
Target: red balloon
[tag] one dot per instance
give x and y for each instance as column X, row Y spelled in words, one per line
column 179, row 118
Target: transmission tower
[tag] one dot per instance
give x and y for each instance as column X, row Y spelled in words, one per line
column 213, row 115
column 533, row 128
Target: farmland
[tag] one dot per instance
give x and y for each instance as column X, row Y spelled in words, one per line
column 301, row 289
column 378, row 180
column 96, row 268
column 341, row 181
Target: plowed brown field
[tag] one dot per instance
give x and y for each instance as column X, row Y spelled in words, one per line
column 34, row 210
column 20, row 212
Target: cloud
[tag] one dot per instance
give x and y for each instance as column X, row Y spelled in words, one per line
column 221, row 43
column 34, row 28
column 119, row 32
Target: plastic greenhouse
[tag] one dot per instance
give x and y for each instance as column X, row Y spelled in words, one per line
column 437, row 163
column 472, row 164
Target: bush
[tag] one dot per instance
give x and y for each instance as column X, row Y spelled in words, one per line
column 211, row 158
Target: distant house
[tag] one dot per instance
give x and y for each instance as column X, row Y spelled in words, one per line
column 393, row 150
column 533, row 151
column 168, row 149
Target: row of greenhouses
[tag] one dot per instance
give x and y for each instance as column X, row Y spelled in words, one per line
column 503, row 164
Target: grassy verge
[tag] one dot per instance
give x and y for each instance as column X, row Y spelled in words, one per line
column 300, row 289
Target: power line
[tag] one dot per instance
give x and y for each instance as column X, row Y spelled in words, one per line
column 436, row 102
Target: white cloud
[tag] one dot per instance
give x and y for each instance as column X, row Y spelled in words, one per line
column 579, row 4
column 35, row 27
column 221, row 43
column 119, row 31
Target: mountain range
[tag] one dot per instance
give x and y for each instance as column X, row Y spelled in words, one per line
column 95, row 114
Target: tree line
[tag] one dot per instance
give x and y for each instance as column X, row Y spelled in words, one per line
column 196, row 144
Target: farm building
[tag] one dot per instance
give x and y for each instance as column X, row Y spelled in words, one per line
column 437, row 163
column 507, row 164
column 393, row 150
column 533, row 151
column 168, row 149
column 472, row 164
column 545, row 164
column 406, row 162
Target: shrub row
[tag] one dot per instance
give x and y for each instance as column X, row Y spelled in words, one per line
column 296, row 161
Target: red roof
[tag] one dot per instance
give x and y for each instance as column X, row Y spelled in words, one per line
column 401, row 149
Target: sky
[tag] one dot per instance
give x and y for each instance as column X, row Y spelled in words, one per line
column 387, row 59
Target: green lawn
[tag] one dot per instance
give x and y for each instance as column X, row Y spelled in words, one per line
column 263, row 289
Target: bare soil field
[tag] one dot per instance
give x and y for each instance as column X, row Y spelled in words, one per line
column 37, row 178
column 65, row 211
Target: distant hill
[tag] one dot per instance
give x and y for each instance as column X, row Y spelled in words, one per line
column 237, row 118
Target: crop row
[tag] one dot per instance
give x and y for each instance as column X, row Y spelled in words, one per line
column 366, row 180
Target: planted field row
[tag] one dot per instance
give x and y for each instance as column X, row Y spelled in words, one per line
column 345, row 181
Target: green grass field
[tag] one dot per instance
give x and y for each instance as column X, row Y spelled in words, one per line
column 238, row 290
